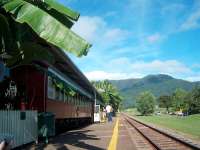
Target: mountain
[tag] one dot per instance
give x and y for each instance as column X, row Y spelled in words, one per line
column 160, row 84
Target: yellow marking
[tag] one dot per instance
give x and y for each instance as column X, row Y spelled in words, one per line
column 113, row 142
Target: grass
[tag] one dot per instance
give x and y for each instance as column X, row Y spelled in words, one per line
column 189, row 125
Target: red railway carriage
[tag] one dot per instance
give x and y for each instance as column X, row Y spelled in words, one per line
column 39, row 86
column 57, row 86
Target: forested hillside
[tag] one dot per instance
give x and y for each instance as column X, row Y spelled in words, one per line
column 158, row 84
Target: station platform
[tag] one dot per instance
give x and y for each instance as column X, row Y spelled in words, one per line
column 100, row 136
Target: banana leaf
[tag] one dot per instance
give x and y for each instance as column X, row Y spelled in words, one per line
column 52, row 4
column 47, row 27
column 58, row 11
column 5, row 35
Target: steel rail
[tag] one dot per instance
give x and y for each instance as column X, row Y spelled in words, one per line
column 181, row 141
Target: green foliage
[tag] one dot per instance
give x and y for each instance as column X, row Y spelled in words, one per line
column 35, row 21
column 145, row 103
column 193, row 101
column 158, row 84
column 165, row 101
column 188, row 102
column 59, row 84
column 179, row 100
column 109, row 93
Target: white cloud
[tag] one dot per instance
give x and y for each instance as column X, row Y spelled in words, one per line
column 88, row 27
column 193, row 19
column 157, row 66
column 120, row 61
column 154, row 38
column 139, row 51
column 111, row 14
column 114, row 35
column 193, row 78
column 101, row 75
column 124, row 68
column 192, row 22
column 96, row 30
column 197, row 66
column 170, row 67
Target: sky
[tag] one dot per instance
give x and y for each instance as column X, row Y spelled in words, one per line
column 135, row 38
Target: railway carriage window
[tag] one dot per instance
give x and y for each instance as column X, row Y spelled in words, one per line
column 76, row 100
column 72, row 100
column 69, row 100
column 61, row 95
column 57, row 94
column 65, row 97
column 51, row 88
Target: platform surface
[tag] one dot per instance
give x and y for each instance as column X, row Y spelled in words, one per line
column 100, row 136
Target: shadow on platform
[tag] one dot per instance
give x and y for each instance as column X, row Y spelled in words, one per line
column 72, row 138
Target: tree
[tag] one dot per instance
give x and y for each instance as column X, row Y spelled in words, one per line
column 29, row 25
column 179, row 100
column 193, row 100
column 165, row 102
column 109, row 93
column 145, row 103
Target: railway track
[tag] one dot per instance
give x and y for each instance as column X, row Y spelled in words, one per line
column 158, row 139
